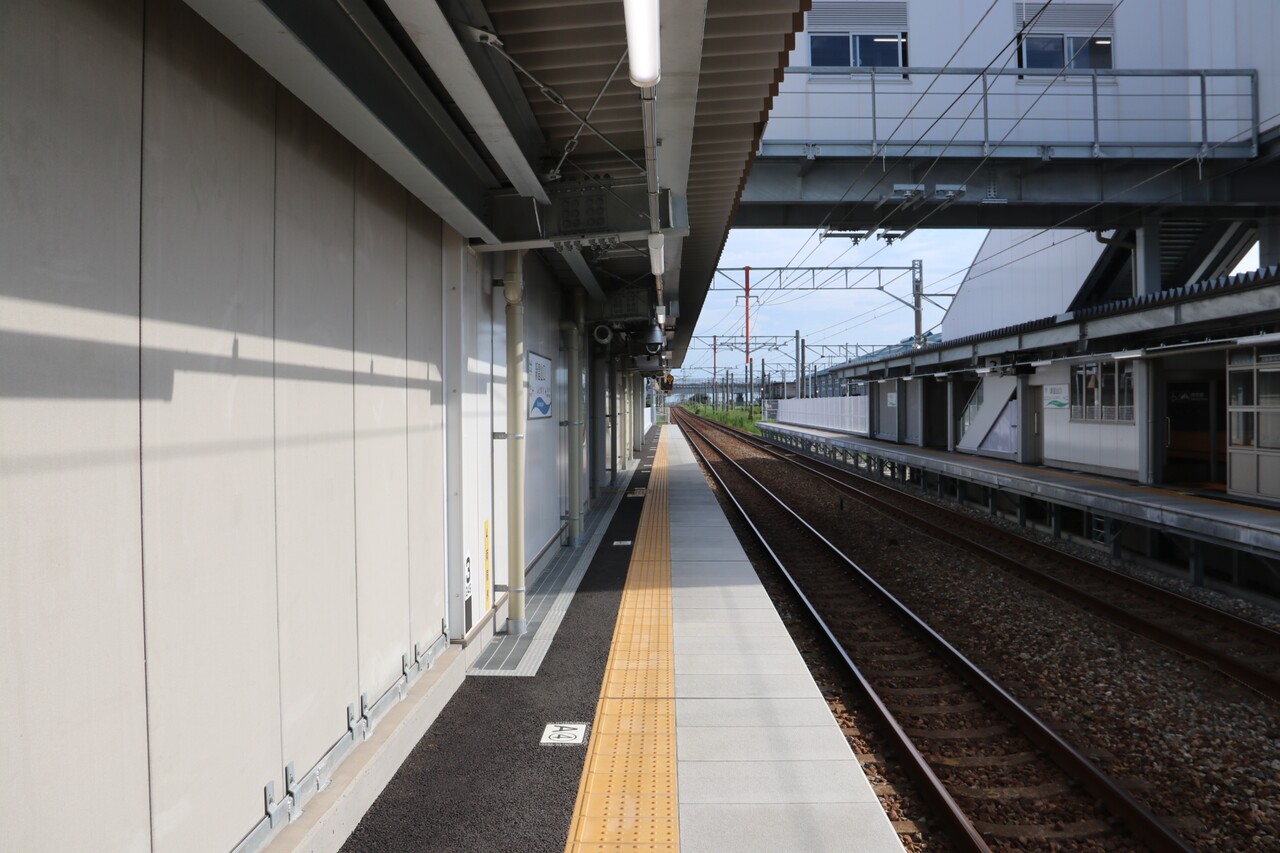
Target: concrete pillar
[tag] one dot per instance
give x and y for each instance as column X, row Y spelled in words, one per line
column 1146, row 258
column 1269, row 241
column 1145, row 419
column 951, row 416
column 517, row 410
column 637, row 417
column 1027, row 422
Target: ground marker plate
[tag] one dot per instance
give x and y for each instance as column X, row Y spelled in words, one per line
column 564, row 734
column 622, row 542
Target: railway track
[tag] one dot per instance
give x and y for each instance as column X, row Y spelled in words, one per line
column 1001, row 777
column 1238, row 648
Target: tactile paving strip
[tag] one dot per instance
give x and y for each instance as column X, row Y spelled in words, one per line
column 627, row 797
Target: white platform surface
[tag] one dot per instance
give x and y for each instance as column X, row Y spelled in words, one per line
column 761, row 763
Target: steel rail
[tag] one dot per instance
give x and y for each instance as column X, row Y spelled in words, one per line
column 1264, row 683
column 1145, row 825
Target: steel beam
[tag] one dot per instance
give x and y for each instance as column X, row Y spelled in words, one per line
column 858, row 194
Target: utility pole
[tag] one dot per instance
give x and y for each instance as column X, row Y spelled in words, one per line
column 798, row 363
column 715, row 341
column 746, row 304
column 802, row 374
column 917, row 295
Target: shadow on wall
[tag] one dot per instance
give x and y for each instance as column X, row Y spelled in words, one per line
column 71, row 368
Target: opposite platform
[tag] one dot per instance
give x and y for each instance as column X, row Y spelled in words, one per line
column 1220, row 521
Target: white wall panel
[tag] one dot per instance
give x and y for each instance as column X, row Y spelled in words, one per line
column 488, row 356
column 459, row 336
column 315, row 495
column 544, row 498
column 73, row 759
column 382, row 518
column 207, row 433
column 1019, row 276
column 426, row 456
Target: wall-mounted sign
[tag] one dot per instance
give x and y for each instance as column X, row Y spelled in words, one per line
column 1056, row 397
column 540, row 377
column 891, row 399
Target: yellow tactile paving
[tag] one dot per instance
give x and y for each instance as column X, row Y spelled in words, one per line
column 627, row 797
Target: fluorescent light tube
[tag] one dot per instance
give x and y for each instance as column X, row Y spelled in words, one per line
column 657, row 256
column 644, row 54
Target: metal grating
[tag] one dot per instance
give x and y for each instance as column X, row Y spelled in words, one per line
column 1064, row 17
column 858, row 15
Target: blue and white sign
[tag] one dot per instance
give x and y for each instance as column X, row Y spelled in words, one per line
column 1057, row 396
column 540, row 379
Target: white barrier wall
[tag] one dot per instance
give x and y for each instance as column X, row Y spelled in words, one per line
column 222, row 443
column 840, row 414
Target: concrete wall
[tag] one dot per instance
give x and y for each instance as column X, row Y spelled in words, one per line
column 73, row 672
column 224, row 371
column 546, row 472
column 842, row 414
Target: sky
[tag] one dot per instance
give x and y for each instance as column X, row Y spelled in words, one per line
column 866, row 317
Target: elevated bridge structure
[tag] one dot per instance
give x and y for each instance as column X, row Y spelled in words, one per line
column 855, row 150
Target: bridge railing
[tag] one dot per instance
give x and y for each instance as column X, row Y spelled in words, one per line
column 1014, row 113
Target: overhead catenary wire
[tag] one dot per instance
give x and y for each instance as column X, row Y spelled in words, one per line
column 901, row 122
column 1005, row 49
column 848, row 323
column 1064, row 222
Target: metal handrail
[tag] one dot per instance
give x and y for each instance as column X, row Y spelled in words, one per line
column 1206, row 111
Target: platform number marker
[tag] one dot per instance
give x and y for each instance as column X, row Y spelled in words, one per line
column 564, row 734
column 621, row 542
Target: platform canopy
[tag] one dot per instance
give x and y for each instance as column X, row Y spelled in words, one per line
column 517, row 122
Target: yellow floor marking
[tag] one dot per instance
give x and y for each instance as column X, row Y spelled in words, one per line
column 627, row 797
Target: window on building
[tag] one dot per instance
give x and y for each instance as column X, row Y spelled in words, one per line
column 1076, row 53
column 1102, row 391
column 1057, row 35
column 858, row 50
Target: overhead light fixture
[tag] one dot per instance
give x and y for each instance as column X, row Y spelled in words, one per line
column 657, row 254
column 983, row 371
column 1127, row 354
column 1044, row 362
column 907, row 378
column 884, row 40
column 661, row 314
column 644, row 54
column 940, row 375
column 1102, row 41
